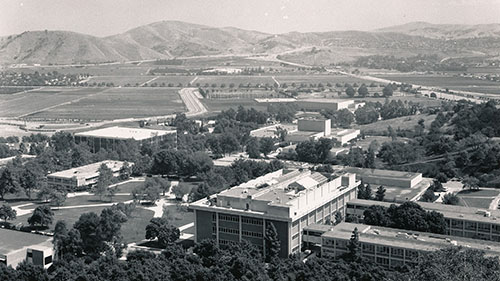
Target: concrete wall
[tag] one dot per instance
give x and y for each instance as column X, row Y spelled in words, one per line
column 203, row 225
column 315, row 125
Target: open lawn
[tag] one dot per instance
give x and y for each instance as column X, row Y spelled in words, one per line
column 120, row 80
column 178, row 215
column 174, row 79
column 450, row 82
column 93, row 70
column 316, row 79
column 423, row 101
column 134, row 229
column 365, row 143
column 481, row 198
column 405, row 122
column 235, row 79
column 117, row 103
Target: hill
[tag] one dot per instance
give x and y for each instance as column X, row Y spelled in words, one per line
column 445, row 31
column 168, row 39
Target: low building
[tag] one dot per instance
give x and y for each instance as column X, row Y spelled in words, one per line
column 324, row 104
column 460, row 221
column 289, row 199
column 18, row 246
column 386, row 177
column 344, row 136
column 76, row 178
column 7, row 160
column 110, row 138
column 390, row 247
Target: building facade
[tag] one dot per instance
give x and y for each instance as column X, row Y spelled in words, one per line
column 288, row 199
column 390, row 247
column 75, row 178
column 460, row 221
column 111, row 138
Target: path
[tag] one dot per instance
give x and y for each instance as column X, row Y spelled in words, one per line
column 494, row 203
column 276, row 81
column 194, row 80
column 192, row 102
column 149, row 81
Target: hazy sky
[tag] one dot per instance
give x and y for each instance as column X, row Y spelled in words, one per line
column 107, row 17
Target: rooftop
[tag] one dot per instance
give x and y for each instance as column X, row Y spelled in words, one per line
column 408, row 239
column 88, row 171
column 327, row 100
column 448, row 211
column 124, row 133
column 12, row 240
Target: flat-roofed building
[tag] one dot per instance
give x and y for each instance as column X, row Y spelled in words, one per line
column 289, row 199
column 390, row 247
column 460, row 221
column 322, row 125
column 75, row 178
column 324, row 104
column 18, row 246
column 110, row 138
column 386, row 177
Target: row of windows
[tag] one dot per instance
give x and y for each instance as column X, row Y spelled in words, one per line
column 229, row 230
column 251, row 221
column 251, row 234
column 296, row 236
column 370, row 249
column 225, row 242
column 223, row 217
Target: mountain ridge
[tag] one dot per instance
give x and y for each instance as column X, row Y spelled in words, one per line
column 169, row 39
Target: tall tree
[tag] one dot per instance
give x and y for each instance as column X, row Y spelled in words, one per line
column 380, row 193
column 104, row 180
column 42, row 216
column 253, row 148
column 349, row 91
column 7, row 213
column 160, row 229
column 266, row 145
column 354, row 246
column 8, row 182
column 273, row 244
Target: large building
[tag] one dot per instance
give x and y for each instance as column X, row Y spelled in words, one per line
column 110, row 138
column 316, row 128
column 75, row 178
column 289, row 199
column 460, row 221
column 324, row 104
column 18, row 246
column 388, row 247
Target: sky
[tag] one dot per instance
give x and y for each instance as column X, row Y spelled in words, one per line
column 108, row 17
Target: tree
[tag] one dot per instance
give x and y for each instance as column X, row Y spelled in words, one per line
column 7, row 213
column 380, row 193
column 354, row 246
column 8, row 183
column 149, row 191
column 366, row 115
column 253, row 148
column 470, row 182
column 392, row 133
column 104, row 180
column 451, row 199
column 363, row 91
column 42, row 216
column 163, row 231
column 125, row 171
column 266, row 145
column 281, row 133
column 57, row 197
column 338, row 218
column 370, row 158
column 272, row 242
column 388, row 91
column 377, row 215
column 180, row 190
column 31, row 178
column 428, row 196
column 350, row 92
column 365, row 191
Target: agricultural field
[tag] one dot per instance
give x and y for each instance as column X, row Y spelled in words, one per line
column 235, row 79
column 316, row 79
column 423, row 101
column 93, row 70
column 481, row 198
column 117, row 103
column 174, row 79
column 26, row 103
column 450, row 82
column 120, row 80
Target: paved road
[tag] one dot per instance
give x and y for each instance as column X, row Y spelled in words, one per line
column 190, row 97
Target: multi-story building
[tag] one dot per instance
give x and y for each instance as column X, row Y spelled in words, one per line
column 110, row 138
column 75, row 178
column 389, row 247
column 460, row 221
column 289, row 199
column 18, row 246
column 386, row 177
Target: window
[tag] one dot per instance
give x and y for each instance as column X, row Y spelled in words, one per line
column 251, row 234
column 470, row 225
column 368, row 248
column 228, row 218
column 382, row 261
column 382, row 250
column 229, row 230
column 48, row 260
column 30, row 254
column 252, row 221
column 295, row 236
column 396, row 252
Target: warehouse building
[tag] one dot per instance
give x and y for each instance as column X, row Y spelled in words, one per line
column 288, row 199
column 460, row 221
column 324, row 104
column 386, row 177
column 84, row 176
column 18, row 246
column 110, row 138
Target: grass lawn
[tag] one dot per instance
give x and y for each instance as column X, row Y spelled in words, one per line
column 178, row 216
column 129, row 186
column 477, row 198
column 365, row 143
column 405, row 122
column 483, row 203
column 135, row 228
